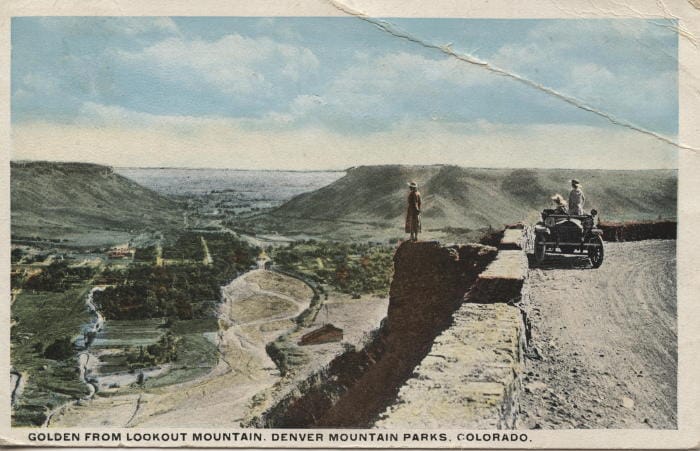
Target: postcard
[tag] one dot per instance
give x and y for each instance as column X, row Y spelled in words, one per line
column 336, row 224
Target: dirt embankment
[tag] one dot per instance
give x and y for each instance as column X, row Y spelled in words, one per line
column 603, row 348
column 429, row 284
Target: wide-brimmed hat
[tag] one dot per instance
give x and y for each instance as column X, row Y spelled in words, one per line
column 412, row 185
column 575, row 182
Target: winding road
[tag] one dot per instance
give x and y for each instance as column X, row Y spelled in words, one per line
column 222, row 397
column 603, row 348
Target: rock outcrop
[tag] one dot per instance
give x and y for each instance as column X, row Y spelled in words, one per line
column 470, row 377
column 429, row 285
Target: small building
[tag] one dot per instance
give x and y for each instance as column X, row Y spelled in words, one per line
column 325, row 334
column 121, row 252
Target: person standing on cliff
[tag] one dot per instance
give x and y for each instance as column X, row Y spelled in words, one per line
column 413, row 213
column 576, row 198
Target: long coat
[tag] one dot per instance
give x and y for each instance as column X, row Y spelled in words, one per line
column 413, row 213
column 576, row 201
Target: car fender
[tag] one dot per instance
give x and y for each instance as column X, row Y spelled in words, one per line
column 541, row 229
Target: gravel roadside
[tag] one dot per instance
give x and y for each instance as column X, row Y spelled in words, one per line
column 603, row 348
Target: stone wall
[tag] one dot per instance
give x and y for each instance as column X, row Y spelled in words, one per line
column 470, row 377
column 636, row 231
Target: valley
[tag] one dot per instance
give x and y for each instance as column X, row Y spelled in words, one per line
column 205, row 298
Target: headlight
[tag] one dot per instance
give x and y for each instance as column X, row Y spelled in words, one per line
column 549, row 222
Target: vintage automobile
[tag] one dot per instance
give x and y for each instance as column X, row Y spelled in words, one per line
column 568, row 234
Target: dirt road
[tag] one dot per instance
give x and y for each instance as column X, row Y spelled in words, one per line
column 604, row 342
column 257, row 307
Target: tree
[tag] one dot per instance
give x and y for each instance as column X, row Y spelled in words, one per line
column 59, row 350
column 17, row 254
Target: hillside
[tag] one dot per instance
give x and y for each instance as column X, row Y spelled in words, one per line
column 370, row 200
column 85, row 203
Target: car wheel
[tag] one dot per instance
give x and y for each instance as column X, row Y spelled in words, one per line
column 540, row 248
column 596, row 253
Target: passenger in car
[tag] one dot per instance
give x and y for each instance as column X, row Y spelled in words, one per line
column 560, row 207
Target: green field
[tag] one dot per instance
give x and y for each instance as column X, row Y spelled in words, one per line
column 41, row 319
column 129, row 333
column 194, row 355
column 353, row 268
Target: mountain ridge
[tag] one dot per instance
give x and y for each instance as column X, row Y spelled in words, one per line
column 475, row 198
column 59, row 200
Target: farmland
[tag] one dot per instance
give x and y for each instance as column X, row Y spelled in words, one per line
column 184, row 286
column 44, row 321
column 165, row 352
column 352, row 268
column 160, row 317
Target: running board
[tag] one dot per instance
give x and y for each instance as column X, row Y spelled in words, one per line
column 553, row 243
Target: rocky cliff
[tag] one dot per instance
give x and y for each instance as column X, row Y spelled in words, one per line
column 429, row 285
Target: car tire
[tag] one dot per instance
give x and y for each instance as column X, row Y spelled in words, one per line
column 540, row 249
column 597, row 253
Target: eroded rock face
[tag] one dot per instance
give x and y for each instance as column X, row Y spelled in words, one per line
column 429, row 284
column 469, row 378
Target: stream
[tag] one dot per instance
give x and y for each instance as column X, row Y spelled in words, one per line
column 84, row 356
column 16, row 384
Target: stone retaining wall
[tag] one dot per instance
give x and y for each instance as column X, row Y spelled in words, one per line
column 471, row 375
column 469, row 378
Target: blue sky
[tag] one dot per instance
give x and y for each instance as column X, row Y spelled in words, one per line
column 335, row 92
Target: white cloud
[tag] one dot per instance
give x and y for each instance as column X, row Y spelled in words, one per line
column 34, row 83
column 223, row 142
column 116, row 26
column 409, row 68
column 618, row 67
column 378, row 87
column 98, row 115
column 140, row 25
column 234, row 64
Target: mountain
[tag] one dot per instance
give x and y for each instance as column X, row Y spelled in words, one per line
column 88, row 203
column 370, row 199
